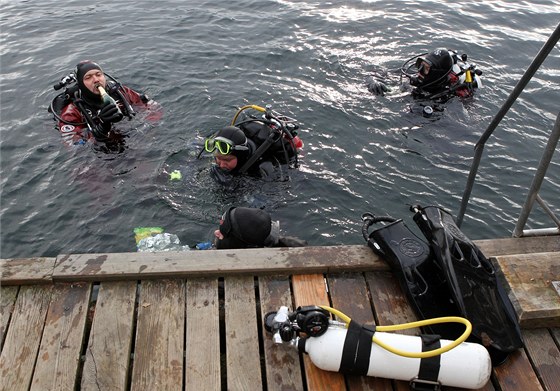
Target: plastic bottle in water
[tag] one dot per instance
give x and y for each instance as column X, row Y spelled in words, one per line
column 204, row 246
column 161, row 242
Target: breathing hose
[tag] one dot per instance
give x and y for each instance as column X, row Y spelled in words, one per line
column 254, row 107
column 431, row 353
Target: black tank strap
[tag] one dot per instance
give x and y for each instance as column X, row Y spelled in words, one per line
column 357, row 349
column 258, row 153
column 428, row 373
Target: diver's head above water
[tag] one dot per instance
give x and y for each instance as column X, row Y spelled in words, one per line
column 89, row 76
column 230, row 148
column 433, row 70
column 242, row 227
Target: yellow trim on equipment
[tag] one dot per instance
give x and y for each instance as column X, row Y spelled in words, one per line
column 254, row 107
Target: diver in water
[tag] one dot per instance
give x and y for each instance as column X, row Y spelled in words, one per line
column 88, row 109
column 242, row 227
column 255, row 146
column 437, row 76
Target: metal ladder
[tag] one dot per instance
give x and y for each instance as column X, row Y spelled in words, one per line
column 545, row 159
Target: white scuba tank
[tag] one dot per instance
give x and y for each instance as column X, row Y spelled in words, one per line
column 467, row 365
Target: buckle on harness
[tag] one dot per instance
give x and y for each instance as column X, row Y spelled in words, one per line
column 424, row 385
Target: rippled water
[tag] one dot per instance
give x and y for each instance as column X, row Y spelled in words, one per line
column 309, row 60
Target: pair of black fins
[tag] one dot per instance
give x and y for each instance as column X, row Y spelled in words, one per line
column 449, row 276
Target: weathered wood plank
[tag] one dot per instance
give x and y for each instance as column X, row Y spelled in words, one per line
column 59, row 354
column 158, row 356
column 242, row 339
column 215, row 263
column 23, row 337
column 310, row 289
column 545, row 356
column 8, row 296
column 391, row 307
column 516, row 374
column 510, row 246
column 26, row 271
column 349, row 294
column 202, row 335
column 530, row 278
column 283, row 370
column 110, row 340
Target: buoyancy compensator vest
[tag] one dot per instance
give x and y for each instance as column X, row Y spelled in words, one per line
column 72, row 94
column 274, row 134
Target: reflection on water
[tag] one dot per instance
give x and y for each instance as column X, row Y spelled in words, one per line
column 310, row 60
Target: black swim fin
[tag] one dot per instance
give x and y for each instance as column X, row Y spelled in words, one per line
column 419, row 275
column 473, row 284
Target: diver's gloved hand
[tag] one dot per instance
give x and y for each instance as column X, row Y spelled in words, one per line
column 110, row 113
column 100, row 133
column 377, row 87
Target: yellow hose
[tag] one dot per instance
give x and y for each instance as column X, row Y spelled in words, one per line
column 254, row 107
column 430, row 353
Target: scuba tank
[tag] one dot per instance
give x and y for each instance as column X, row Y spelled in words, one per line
column 350, row 348
column 274, row 134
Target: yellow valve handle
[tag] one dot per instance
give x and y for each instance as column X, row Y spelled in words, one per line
column 403, row 326
column 468, row 77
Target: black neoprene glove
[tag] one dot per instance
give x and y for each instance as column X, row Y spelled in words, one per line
column 110, row 113
column 377, row 87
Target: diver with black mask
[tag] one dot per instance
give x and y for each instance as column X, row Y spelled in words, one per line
column 437, row 76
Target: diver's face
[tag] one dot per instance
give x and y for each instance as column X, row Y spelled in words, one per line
column 226, row 162
column 423, row 69
column 93, row 79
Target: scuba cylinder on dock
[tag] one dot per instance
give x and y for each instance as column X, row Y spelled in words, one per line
column 351, row 348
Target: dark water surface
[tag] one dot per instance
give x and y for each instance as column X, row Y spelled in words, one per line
column 202, row 60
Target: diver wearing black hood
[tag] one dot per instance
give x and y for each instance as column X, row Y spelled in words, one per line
column 84, row 114
column 437, row 75
column 242, row 227
column 232, row 150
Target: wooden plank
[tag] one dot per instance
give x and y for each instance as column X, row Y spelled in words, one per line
column 530, row 278
column 391, row 307
column 310, row 289
column 23, row 337
column 509, row 246
column 215, row 263
column 59, row 354
column 516, row 374
column 158, row 356
column 349, row 294
column 545, row 356
column 8, row 296
column 107, row 362
column 242, row 339
column 202, row 335
column 26, row 271
column 555, row 334
column 283, row 370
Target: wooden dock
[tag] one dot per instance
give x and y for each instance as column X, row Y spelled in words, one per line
column 194, row 320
